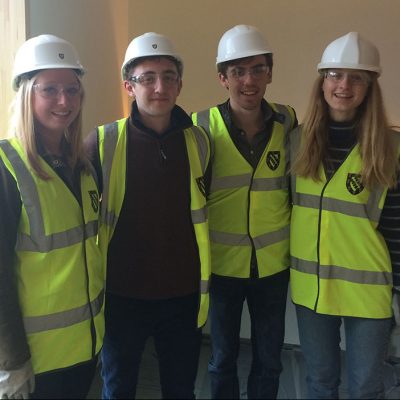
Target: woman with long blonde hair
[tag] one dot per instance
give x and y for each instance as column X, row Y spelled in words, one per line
column 51, row 277
column 343, row 231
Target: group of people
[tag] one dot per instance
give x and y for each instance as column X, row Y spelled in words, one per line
column 161, row 219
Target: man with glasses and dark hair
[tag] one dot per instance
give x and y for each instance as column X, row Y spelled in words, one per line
column 249, row 215
column 154, row 226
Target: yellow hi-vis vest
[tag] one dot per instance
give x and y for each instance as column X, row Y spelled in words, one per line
column 340, row 264
column 113, row 148
column 248, row 208
column 58, row 265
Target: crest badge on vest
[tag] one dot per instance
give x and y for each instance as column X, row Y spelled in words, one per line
column 94, row 198
column 273, row 159
column 201, row 185
column 354, row 184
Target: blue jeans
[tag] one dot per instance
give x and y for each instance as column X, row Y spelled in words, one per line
column 266, row 299
column 129, row 323
column 366, row 346
column 68, row 383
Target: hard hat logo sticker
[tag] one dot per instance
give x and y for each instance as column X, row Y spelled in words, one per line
column 61, row 55
column 154, row 46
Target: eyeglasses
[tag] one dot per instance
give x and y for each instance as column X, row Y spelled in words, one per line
column 149, row 79
column 257, row 72
column 52, row 91
column 355, row 78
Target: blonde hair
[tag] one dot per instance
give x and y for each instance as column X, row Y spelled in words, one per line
column 22, row 126
column 376, row 140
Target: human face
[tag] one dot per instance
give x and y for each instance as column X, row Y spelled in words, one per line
column 155, row 99
column 247, row 88
column 344, row 91
column 53, row 114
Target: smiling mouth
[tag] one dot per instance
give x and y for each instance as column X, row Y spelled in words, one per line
column 248, row 92
column 61, row 114
column 343, row 96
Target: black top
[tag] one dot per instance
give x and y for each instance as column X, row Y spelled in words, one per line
column 153, row 253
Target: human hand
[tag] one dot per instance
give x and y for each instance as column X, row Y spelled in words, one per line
column 18, row 383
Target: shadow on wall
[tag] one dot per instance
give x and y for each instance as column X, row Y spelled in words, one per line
column 100, row 37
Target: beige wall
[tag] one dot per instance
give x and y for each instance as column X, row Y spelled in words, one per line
column 297, row 30
column 98, row 29
column 12, row 34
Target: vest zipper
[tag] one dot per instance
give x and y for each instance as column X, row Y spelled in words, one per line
column 163, row 156
column 328, row 179
column 253, row 266
column 319, row 242
column 92, row 325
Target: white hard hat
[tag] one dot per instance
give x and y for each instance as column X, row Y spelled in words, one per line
column 351, row 51
column 241, row 41
column 147, row 45
column 44, row 52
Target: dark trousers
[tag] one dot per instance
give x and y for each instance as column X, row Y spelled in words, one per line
column 69, row 383
column 266, row 300
column 172, row 323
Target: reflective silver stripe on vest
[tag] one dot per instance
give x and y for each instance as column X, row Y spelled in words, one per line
column 59, row 240
column 258, row 184
column 38, row 240
column 294, row 145
column 267, row 184
column 272, row 237
column 110, row 143
column 202, row 146
column 238, row 239
column 199, row 216
column 229, row 239
column 287, row 123
column 370, row 210
column 203, row 120
column 108, row 217
column 345, row 274
column 229, row 182
column 65, row 318
column 204, row 287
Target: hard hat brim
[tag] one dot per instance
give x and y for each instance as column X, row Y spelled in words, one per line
column 360, row 67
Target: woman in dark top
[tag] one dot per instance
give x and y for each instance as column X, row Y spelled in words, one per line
column 344, row 242
column 51, row 275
